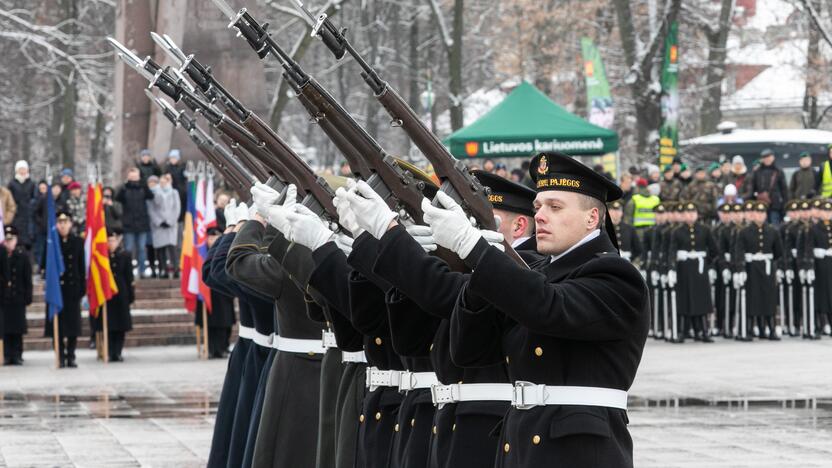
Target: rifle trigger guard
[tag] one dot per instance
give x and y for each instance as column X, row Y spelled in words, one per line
column 395, row 123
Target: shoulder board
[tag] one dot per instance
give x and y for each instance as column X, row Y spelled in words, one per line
column 607, row 255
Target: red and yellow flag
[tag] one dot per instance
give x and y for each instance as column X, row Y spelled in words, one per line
column 101, row 285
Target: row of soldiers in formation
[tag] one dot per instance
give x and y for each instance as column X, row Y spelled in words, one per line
column 738, row 278
column 16, row 290
column 369, row 351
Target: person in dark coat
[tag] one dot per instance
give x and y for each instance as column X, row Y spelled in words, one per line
column 133, row 197
column 758, row 258
column 23, row 191
column 629, row 243
column 147, row 165
column 279, row 441
column 768, row 185
column 818, row 255
column 17, row 294
column 113, row 211
column 805, row 182
column 578, row 318
column 693, row 253
column 119, row 319
column 73, row 288
column 176, row 169
column 221, row 318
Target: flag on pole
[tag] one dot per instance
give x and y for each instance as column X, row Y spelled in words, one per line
column 201, row 236
column 188, row 280
column 669, row 130
column 101, row 285
column 54, row 262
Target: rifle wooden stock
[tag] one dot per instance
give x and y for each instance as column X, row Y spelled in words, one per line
column 234, row 179
column 307, row 179
column 259, row 172
column 257, row 148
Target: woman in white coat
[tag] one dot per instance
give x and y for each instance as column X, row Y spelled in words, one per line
column 164, row 213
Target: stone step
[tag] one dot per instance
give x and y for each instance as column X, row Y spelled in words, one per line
column 142, row 335
column 155, row 329
column 141, row 294
column 141, row 285
column 139, row 316
column 158, row 304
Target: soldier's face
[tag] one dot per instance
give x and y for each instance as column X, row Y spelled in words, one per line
column 615, row 216
column 691, row 216
column 11, row 243
column 561, row 220
column 113, row 243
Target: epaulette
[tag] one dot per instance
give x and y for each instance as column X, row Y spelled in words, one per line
column 607, row 254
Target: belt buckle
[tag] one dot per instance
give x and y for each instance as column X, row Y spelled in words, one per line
column 519, row 400
column 406, row 381
column 444, row 394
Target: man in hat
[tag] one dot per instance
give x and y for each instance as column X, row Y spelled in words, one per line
column 758, row 259
column 147, row 165
column 671, row 185
column 704, row 194
column 640, row 209
column 805, row 182
column 768, row 185
column 77, row 206
column 629, row 244
column 693, row 253
column 73, row 288
column 791, row 232
column 652, row 262
column 724, row 236
column 119, row 319
column 17, row 294
column 818, row 248
column 579, row 318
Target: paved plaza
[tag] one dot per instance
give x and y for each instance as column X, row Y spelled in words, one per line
column 727, row 404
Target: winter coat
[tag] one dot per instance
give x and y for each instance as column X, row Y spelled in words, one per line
column 23, row 194
column 163, row 210
column 78, row 212
column 705, row 194
column 180, row 184
column 770, row 180
column 742, row 182
column 8, row 205
column 805, row 183
column 671, row 191
column 147, row 170
column 118, row 308
column 133, row 196
column 40, row 212
column 112, row 216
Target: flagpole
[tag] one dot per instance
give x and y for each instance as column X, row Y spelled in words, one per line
column 105, row 335
column 205, row 330
column 55, row 339
column 2, row 352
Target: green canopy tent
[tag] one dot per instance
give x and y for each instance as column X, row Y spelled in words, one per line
column 525, row 122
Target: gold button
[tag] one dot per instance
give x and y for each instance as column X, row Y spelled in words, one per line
column 378, row 341
column 413, row 422
column 396, row 427
column 538, row 351
column 506, row 359
column 431, row 347
column 506, row 447
column 453, row 428
column 434, row 430
column 378, row 416
column 536, row 439
column 361, row 418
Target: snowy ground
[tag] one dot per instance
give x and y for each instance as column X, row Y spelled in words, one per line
column 761, row 404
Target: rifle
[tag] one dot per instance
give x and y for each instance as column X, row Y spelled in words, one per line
column 398, row 187
column 316, row 193
column 456, row 180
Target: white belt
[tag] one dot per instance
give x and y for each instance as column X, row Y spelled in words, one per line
column 261, row 339
column 625, row 254
column 454, row 393
column 382, row 378
column 246, row 332
column 821, row 253
column 794, row 253
column 356, row 356
column 727, row 257
column 415, row 380
column 699, row 255
column 528, row 395
column 294, row 345
column 328, row 340
column 760, row 257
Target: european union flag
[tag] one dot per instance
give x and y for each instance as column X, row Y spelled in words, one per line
column 54, row 261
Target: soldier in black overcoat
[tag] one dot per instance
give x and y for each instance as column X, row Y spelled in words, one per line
column 818, row 254
column 651, row 262
column 73, row 288
column 578, row 319
column 16, row 295
column 629, row 244
column 692, row 253
column 119, row 318
column 790, row 234
column 221, row 318
column 758, row 257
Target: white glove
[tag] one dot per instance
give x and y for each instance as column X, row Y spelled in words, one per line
column 712, row 276
column 726, row 276
column 451, row 227
column 810, row 276
column 252, row 211
column 307, row 229
column 346, row 216
column 671, row 278
column 241, row 213
column 663, row 279
column 736, row 280
column 802, row 275
column 276, row 214
column 344, row 242
column 494, row 238
column 780, row 276
column 263, row 197
column 655, row 278
column 643, row 274
column 371, row 212
column 790, row 276
column 423, row 236
column 230, row 212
